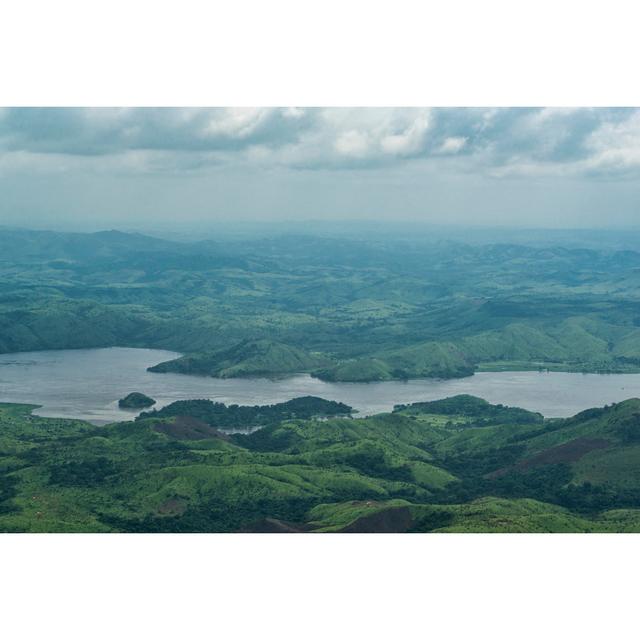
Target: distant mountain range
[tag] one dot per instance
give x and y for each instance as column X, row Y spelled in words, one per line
column 339, row 308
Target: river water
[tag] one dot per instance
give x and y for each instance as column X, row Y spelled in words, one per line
column 87, row 383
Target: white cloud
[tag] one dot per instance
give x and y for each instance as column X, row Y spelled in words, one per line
column 236, row 123
column 497, row 142
column 352, row 143
column 453, row 144
column 409, row 141
column 293, row 112
column 615, row 146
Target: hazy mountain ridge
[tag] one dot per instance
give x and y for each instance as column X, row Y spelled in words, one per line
column 359, row 310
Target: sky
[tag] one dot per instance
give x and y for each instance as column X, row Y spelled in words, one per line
column 136, row 168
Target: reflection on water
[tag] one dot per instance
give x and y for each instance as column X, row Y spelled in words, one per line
column 87, row 383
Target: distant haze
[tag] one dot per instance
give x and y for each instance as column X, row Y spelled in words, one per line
column 189, row 168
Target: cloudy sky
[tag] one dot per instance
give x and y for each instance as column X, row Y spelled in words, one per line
column 129, row 168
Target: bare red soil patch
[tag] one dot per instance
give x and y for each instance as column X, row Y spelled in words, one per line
column 273, row 525
column 186, row 428
column 568, row 452
column 391, row 520
column 172, row 507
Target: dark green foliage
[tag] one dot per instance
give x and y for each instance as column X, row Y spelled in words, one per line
column 270, row 438
column 481, row 463
column 588, row 414
column 430, row 520
column 135, row 400
column 482, row 412
column 8, row 491
column 216, row 515
column 628, row 429
column 549, row 426
column 219, row 415
column 84, row 473
column 545, row 484
column 373, row 461
column 588, row 498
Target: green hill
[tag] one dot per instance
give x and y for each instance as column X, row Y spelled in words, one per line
column 458, row 464
column 425, row 360
column 576, row 344
column 481, row 412
column 218, row 415
column 362, row 370
column 247, row 358
column 484, row 515
column 135, row 400
column 429, row 360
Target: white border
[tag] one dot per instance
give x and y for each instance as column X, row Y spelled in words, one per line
column 335, row 52
column 319, row 586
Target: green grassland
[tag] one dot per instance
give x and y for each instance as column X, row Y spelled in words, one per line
column 484, row 515
column 454, row 465
column 247, row 358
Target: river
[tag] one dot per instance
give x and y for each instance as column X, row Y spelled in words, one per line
column 87, row 383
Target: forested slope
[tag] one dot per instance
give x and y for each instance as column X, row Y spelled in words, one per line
column 459, row 464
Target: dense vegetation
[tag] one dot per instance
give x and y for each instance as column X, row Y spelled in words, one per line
column 425, row 467
column 221, row 416
column 343, row 309
column 477, row 410
column 135, row 400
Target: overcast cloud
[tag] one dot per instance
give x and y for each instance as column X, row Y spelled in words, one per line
column 114, row 167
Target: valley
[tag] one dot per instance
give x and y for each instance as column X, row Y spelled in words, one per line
column 87, row 384
column 309, row 383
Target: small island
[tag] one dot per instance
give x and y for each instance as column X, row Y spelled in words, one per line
column 136, row 400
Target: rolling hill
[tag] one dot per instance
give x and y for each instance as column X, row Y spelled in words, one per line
column 247, row 358
column 458, row 464
column 347, row 309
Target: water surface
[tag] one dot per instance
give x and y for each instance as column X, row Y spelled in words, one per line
column 87, row 383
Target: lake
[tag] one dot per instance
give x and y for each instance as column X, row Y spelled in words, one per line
column 87, row 384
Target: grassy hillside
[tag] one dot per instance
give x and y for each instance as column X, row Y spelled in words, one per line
column 484, row 515
column 361, row 370
column 455, row 465
column 248, row 358
column 474, row 411
column 427, row 360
